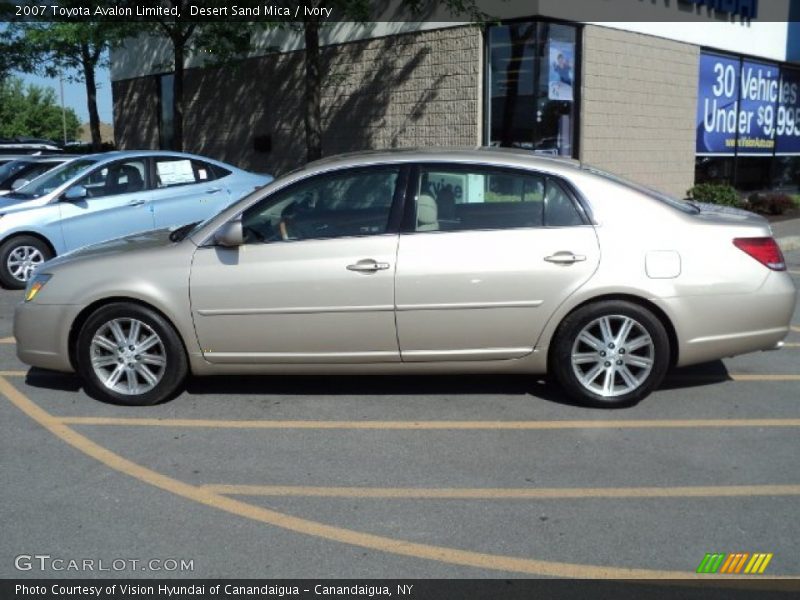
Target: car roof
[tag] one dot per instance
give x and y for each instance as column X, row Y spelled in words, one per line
column 46, row 158
column 474, row 154
column 117, row 154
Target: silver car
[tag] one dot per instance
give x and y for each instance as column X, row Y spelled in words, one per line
column 435, row 261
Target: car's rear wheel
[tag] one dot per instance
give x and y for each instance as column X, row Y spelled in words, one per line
column 19, row 257
column 610, row 353
column 129, row 354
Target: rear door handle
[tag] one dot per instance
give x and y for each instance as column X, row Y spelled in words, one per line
column 213, row 190
column 135, row 202
column 565, row 258
column 368, row 266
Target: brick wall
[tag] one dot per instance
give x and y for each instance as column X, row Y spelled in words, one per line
column 638, row 105
column 136, row 113
column 413, row 89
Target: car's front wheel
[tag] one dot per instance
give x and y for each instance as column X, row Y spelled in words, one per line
column 129, row 354
column 19, row 257
column 610, row 353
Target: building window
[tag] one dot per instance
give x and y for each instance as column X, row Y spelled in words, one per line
column 166, row 111
column 532, row 87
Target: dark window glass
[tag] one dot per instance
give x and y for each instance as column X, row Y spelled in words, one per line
column 55, row 178
column 353, row 203
column 786, row 173
column 559, row 209
column 36, row 169
column 10, row 171
column 456, row 199
column 753, row 173
column 219, row 172
column 166, row 112
column 532, row 87
column 713, row 169
column 123, row 177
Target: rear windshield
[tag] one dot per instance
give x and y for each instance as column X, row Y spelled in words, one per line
column 682, row 205
column 8, row 170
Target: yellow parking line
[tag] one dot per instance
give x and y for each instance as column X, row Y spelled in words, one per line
column 795, row 328
column 8, row 340
column 506, row 493
column 13, row 373
column 315, row 528
column 791, row 345
column 757, row 377
column 421, row 425
column 443, row 554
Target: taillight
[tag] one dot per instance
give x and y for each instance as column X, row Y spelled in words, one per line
column 764, row 249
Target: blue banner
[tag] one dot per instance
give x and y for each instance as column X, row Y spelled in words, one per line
column 747, row 108
column 787, row 116
column 717, row 105
column 757, row 111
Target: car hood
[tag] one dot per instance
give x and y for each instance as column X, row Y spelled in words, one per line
column 131, row 243
column 11, row 203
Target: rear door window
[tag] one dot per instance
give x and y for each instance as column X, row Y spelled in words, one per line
column 478, row 198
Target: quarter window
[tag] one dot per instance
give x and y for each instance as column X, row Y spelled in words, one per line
column 353, row 203
column 559, row 209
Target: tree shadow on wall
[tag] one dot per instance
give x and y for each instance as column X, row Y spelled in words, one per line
column 375, row 107
column 367, row 102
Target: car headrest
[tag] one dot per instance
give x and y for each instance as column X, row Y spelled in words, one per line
column 427, row 213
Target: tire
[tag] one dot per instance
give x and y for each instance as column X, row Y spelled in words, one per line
column 129, row 354
column 19, row 255
column 595, row 369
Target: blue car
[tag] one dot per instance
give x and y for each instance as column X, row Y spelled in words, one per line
column 101, row 197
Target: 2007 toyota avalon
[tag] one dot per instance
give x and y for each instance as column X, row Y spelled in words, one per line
column 434, row 261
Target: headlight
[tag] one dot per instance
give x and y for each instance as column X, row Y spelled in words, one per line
column 35, row 285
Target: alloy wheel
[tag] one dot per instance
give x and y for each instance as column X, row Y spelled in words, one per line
column 128, row 356
column 612, row 355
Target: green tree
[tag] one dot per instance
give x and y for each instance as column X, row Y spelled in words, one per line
column 33, row 111
column 73, row 50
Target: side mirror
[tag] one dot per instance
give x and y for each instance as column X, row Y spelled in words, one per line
column 231, row 234
column 18, row 183
column 75, row 193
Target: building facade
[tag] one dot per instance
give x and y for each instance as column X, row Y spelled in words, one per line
column 710, row 97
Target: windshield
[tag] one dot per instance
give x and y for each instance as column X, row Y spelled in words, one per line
column 55, row 178
column 681, row 205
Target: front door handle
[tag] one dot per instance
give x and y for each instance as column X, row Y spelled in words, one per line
column 368, row 266
column 135, row 202
column 565, row 258
column 213, row 190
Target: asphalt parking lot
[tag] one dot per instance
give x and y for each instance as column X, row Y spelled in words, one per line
column 379, row 477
